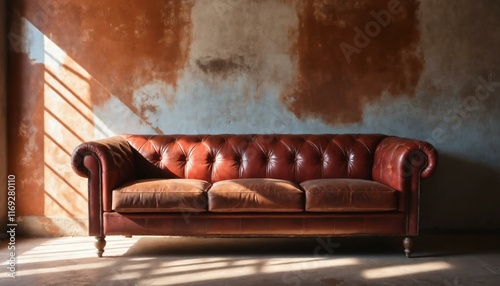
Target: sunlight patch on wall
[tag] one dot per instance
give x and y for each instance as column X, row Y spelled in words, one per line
column 67, row 121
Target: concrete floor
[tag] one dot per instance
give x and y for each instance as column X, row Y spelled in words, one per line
column 439, row 260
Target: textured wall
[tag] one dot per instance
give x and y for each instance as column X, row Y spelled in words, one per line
column 89, row 69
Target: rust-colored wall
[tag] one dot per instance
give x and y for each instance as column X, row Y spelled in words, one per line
column 67, row 58
column 80, row 70
column 348, row 56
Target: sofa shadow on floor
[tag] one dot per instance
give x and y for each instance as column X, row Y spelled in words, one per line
column 314, row 247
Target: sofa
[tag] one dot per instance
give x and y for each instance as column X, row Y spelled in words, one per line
column 254, row 185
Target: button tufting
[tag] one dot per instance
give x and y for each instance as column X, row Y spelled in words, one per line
column 351, row 157
column 268, row 159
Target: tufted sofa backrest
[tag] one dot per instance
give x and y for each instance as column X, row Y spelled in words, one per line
column 280, row 156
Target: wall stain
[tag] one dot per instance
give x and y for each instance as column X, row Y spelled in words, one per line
column 249, row 40
column 334, row 87
column 222, row 67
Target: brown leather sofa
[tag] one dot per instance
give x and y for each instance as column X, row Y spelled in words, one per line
column 254, row 185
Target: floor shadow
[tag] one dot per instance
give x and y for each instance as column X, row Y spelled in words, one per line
column 456, row 245
column 461, row 195
column 425, row 246
column 308, row 247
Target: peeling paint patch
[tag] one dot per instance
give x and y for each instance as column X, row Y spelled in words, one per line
column 30, row 42
column 114, row 117
column 350, row 53
column 152, row 100
column 242, row 47
column 123, row 44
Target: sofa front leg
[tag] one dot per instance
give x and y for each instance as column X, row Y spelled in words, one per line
column 100, row 243
column 408, row 244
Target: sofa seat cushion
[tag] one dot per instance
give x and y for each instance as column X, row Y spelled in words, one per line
column 349, row 195
column 161, row 195
column 255, row 195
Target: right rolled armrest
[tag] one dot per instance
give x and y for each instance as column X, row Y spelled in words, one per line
column 401, row 163
column 399, row 160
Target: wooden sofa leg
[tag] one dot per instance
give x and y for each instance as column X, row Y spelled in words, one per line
column 100, row 243
column 408, row 244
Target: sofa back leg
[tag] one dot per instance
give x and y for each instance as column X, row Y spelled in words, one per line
column 100, row 243
column 408, row 244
